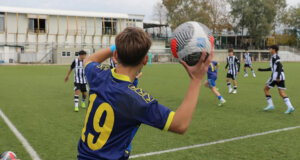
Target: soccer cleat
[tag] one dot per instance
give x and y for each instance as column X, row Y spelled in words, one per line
column 230, row 90
column 246, row 75
column 269, row 108
column 222, row 102
column 82, row 104
column 254, row 75
column 234, row 92
column 76, row 109
column 289, row 111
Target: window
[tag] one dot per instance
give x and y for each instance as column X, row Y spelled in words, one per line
column 2, row 22
column 110, row 26
column 65, row 54
column 131, row 23
column 76, row 54
column 37, row 25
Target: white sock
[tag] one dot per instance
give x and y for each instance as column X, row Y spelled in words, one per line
column 253, row 71
column 288, row 102
column 229, row 86
column 269, row 100
column 235, row 87
column 76, row 100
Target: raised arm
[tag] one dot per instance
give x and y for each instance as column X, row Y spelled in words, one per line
column 101, row 55
column 184, row 113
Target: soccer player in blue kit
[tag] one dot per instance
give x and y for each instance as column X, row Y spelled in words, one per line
column 116, row 107
column 212, row 74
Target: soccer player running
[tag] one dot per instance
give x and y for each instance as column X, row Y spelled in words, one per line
column 234, row 68
column 212, row 73
column 248, row 63
column 116, row 107
column 277, row 78
column 79, row 80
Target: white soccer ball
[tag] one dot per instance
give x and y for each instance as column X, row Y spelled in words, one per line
column 189, row 40
column 8, row 155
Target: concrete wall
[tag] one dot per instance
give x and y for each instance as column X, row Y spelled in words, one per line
column 289, row 56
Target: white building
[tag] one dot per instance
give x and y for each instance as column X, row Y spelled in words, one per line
column 41, row 35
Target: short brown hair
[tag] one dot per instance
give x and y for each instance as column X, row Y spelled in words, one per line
column 132, row 45
column 230, row 50
column 82, row 52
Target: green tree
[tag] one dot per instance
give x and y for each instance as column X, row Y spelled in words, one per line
column 180, row 11
column 212, row 13
column 291, row 19
column 257, row 16
column 219, row 15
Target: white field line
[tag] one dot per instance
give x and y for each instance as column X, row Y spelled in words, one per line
column 213, row 143
column 33, row 154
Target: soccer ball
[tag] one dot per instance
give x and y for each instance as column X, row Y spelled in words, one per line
column 189, row 40
column 8, row 155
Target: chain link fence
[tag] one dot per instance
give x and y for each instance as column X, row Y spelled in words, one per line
column 52, row 53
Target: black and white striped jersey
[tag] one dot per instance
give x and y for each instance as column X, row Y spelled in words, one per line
column 234, row 65
column 79, row 76
column 247, row 58
column 112, row 63
column 276, row 68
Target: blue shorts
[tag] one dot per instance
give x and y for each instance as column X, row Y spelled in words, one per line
column 135, row 82
column 211, row 83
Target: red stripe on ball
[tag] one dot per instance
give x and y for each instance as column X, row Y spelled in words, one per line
column 211, row 38
column 174, row 47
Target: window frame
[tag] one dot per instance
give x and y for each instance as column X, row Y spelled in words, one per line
column 2, row 15
column 34, row 25
column 112, row 29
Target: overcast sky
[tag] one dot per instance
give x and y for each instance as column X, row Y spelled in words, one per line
column 144, row 7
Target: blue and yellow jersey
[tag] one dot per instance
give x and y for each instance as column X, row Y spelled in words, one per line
column 116, row 108
column 212, row 71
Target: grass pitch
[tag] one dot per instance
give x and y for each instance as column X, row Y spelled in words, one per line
column 40, row 105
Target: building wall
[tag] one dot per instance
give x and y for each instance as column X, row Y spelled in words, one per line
column 62, row 33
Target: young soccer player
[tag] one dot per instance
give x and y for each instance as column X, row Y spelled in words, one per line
column 248, row 63
column 211, row 81
column 117, row 107
column 79, row 79
column 277, row 78
column 234, row 68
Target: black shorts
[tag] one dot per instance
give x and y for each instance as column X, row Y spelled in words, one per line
column 233, row 77
column 81, row 87
column 248, row 65
column 280, row 84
